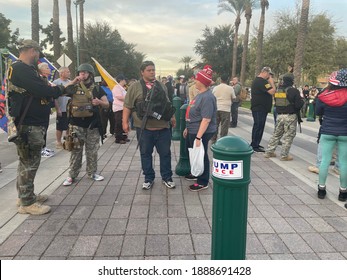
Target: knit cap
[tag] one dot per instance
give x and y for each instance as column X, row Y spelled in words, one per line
column 205, row 76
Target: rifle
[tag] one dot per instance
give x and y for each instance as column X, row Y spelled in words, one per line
column 148, row 99
column 299, row 120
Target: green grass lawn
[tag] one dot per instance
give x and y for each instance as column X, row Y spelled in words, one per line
column 246, row 104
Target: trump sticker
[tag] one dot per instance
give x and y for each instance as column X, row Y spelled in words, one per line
column 229, row 170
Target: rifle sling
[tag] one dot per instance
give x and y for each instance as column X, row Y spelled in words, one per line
column 25, row 112
column 90, row 94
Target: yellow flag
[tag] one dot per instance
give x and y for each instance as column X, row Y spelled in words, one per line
column 110, row 81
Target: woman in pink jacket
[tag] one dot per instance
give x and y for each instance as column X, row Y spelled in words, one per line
column 119, row 93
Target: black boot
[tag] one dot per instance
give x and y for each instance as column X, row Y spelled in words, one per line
column 342, row 196
column 321, row 192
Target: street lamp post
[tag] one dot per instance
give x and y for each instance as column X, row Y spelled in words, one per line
column 77, row 2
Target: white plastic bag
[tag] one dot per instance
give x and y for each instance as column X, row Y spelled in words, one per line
column 196, row 159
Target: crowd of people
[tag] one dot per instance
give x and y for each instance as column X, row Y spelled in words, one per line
column 84, row 108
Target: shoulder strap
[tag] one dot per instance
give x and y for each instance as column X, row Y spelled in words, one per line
column 89, row 94
column 25, row 112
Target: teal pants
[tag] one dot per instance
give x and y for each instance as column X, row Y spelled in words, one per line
column 328, row 143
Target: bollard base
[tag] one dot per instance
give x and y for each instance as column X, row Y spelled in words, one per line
column 183, row 167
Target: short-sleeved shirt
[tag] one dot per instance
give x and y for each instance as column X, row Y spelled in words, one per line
column 134, row 95
column 62, row 100
column 224, row 95
column 204, row 105
column 261, row 100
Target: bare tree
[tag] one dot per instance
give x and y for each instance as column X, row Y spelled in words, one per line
column 56, row 30
column 249, row 5
column 300, row 41
column 70, row 44
column 82, row 36
column 260, row 39
column 237, row 7
column 35, row 21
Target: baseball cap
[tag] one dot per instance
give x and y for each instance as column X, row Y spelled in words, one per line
column 30, row 44
column 267, row 69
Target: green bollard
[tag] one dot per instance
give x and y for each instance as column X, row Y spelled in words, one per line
column 176, row 131
column 183, row 165
column 310, row 115
column 231, row 177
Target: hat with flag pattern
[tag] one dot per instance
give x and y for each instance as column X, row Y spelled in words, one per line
column 339, row 78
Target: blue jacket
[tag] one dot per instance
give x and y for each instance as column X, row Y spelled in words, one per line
column 334, row 119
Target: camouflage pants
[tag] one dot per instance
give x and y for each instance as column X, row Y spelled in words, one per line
column 223, row 119
column 286, row 128
column 29, row 145
column 89, row 138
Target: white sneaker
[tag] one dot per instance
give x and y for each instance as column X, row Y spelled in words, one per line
column 68, row 181
column 46, row 154
column 49, row 150
column 96, row 177
column 169, row 183
column 147, row 185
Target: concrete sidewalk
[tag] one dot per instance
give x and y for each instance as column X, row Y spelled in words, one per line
column 116, row 219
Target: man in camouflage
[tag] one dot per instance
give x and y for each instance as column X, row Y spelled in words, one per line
column 86, row 129
column 288, row 110
column 28, row 92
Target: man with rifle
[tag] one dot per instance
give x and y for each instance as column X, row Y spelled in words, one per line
column 29, row 109
column 87, row 99
column 147, row 100
column 288, row 104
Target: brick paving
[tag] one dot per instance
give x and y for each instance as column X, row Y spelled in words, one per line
column 116, row 219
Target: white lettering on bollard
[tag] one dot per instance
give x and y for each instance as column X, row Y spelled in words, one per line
column 228, row 170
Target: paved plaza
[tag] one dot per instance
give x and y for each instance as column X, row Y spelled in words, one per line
column 116, row 219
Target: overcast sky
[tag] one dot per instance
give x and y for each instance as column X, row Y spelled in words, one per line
column 164, row 30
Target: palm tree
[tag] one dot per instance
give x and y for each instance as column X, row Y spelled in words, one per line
column 259, row 58
column 249, row 5
column 300, row 41
column 82, row 37
column 237, row 7
column 70, row 44
column 35, row 22
column 56, row 30
column 187, row 60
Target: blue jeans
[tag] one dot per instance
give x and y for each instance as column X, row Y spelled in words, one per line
column 259, row 120
column 205, row 176
column 161, row 140
column 234, row 113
